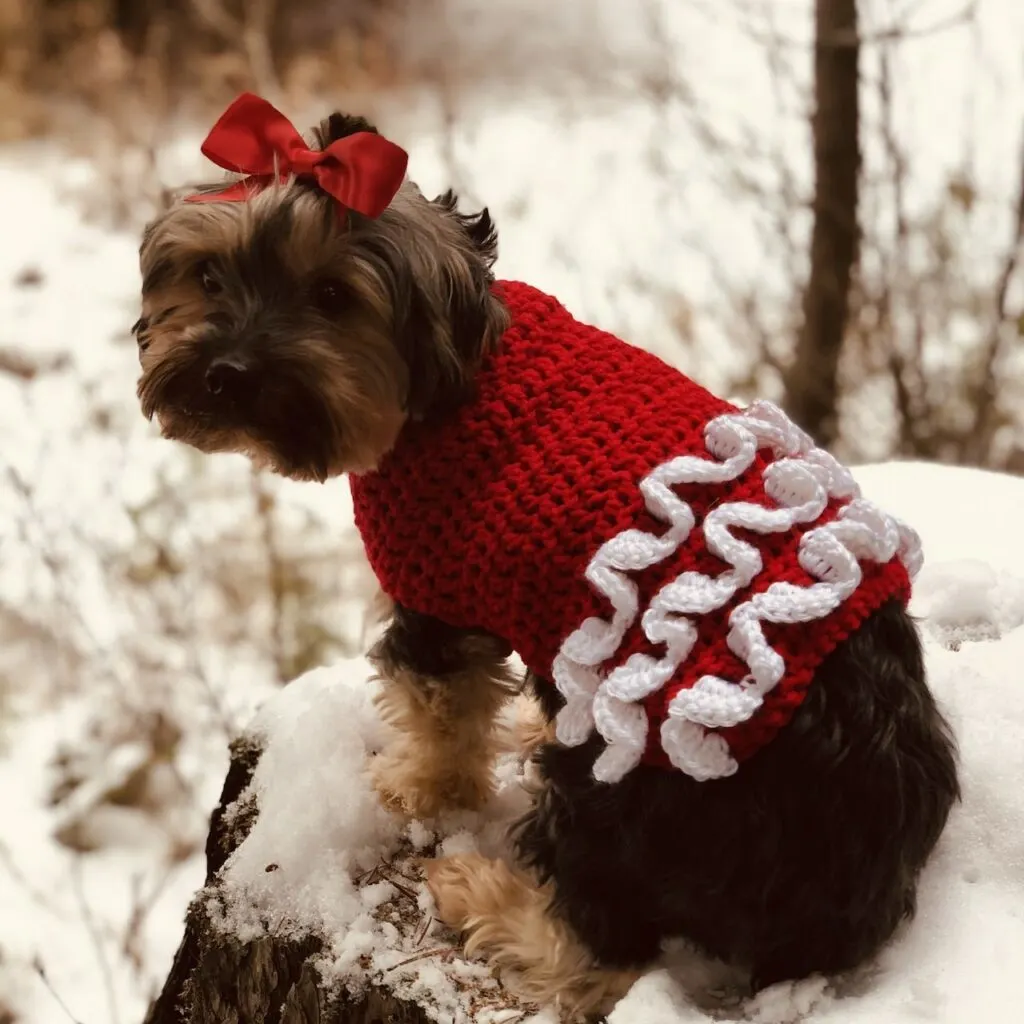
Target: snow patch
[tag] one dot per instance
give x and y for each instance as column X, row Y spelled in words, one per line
column 347, row 870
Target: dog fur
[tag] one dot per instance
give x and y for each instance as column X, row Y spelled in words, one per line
column 325, row 337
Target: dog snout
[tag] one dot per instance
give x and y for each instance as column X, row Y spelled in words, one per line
column 230, row 376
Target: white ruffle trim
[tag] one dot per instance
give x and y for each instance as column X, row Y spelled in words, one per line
column 801, row 483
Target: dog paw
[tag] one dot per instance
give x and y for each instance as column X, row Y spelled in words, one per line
column 405, row 786
column 390, row 785
column 389, row 799
column 523, row 728
column 452, row 882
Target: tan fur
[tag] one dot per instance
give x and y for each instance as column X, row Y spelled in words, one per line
column 525, row 727
column 363, row 385
column 442, row 754
column 505, row 915
column 363, row 381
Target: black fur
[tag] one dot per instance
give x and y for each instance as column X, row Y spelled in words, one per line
column 479, row 227
column 806, row 860
column 473, row 318
column 339, row 126
column 430, row 648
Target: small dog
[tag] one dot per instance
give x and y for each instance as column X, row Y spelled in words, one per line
column 759, row 769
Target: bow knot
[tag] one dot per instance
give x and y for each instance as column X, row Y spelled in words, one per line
column 362, row 171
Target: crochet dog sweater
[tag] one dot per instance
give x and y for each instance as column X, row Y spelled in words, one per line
column 678, row 567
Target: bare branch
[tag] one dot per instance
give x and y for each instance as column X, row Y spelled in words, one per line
column 811, row 383
column 854, row 38
column 89, row 920
column 265, row 502
column 895, row 267
column 901, row 32
column 253, row 29
column 37, row 966
column 987, row 405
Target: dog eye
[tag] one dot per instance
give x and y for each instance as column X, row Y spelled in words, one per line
column 329, row 296
column 139, row 329
column 207, row 279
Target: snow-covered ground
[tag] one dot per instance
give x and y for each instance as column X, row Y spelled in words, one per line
column 150, row 600
column 324, row 832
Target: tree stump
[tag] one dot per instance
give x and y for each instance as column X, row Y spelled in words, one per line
column 216, row 979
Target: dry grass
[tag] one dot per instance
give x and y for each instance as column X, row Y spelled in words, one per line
column 421, row 937
column 170, row 57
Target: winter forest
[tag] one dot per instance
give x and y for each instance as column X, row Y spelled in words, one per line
column 816, row 202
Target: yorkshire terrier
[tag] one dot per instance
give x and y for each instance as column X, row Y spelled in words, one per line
column 735, row 742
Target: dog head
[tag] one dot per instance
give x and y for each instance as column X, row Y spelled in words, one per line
column 305, row 335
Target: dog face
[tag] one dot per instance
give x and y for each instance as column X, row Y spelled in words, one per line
column 305, row 336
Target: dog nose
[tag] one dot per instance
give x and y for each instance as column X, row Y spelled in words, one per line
column 228, row 376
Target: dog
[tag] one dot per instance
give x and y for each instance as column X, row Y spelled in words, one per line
column 322, row 316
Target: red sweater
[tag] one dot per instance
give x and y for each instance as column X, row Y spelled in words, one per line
column 681, row 605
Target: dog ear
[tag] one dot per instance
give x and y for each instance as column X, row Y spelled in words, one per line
column 479, row 227
column 339, row 126
column 445, row 342
column 453, row 318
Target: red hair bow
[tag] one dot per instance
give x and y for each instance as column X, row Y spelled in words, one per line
column 362, row 171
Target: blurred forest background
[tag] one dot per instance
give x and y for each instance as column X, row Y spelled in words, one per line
column 817, row 201
column 873, row 282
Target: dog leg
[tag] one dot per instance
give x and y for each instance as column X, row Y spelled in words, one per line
column 506, row 916
column 442, row 688
column 525, row 728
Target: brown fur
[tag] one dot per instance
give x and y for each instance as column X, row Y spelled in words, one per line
column 505, row 914
column 442, row 753
column 526, row 728
column 413, row 319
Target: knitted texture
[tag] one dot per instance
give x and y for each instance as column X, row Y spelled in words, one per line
column 678, row 567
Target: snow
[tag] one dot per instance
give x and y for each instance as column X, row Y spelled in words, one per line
column 322, row 828
column 323, row 825
column 325, row 857
column 134, row 576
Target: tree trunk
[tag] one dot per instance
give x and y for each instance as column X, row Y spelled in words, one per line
column 812, row 380
column 219, row 980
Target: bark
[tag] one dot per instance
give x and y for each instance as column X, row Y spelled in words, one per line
column 812, row 382
column 218, row 980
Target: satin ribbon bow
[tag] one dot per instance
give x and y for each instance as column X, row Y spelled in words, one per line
column 362, row 171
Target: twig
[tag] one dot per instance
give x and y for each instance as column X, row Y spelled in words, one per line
column 986, row 407
column 276, row 576
column 403, row 889
column 142, row 906
column 839, row 39
column 256, row 40
column 7, row 859
column 97, row 939
column 900, row 32
column 37, row 966
column 421, row 932
column 812, row 383
column 375, row 873
column 43, row 542
column 253, row 29
column 894, row 268
column 218, row 19
column 216, row 705
column 419, row 956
